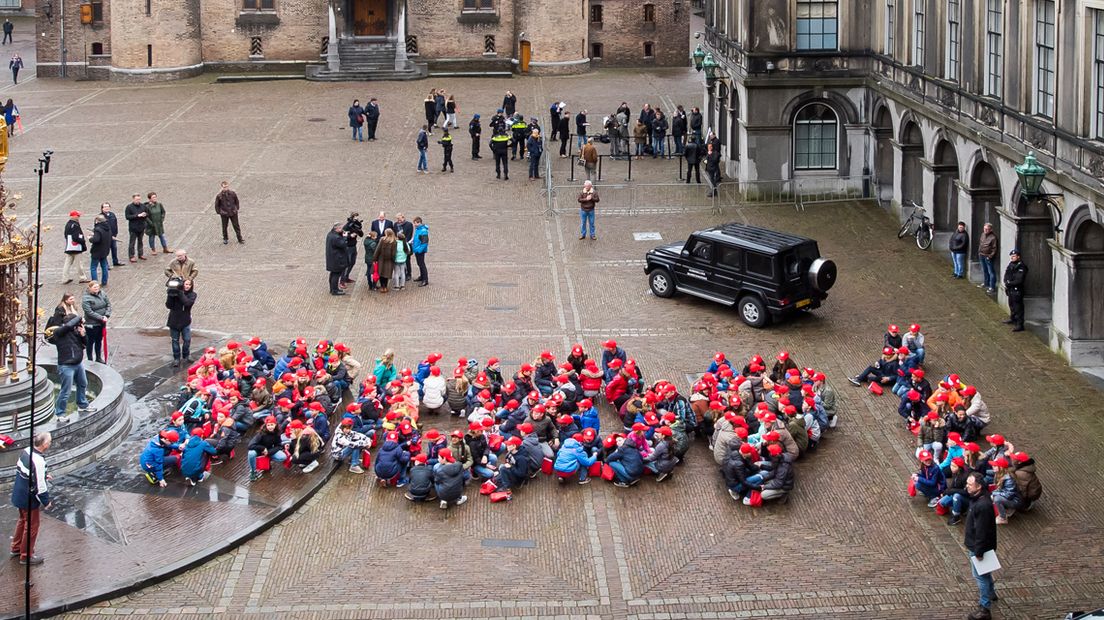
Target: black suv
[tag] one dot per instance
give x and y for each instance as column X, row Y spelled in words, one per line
column 765, row 273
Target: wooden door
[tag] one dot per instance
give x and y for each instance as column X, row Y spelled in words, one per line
column 370, row 18
column 526, row 54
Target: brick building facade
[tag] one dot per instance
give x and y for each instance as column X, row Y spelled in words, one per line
column 159, row 39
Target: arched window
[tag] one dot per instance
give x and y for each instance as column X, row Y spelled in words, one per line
column 815, row 138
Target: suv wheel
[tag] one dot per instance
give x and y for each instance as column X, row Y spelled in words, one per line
column 661, row 283
column 753, row 312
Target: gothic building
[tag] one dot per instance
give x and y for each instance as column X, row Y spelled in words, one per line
column 934, row 103
column 356, row 39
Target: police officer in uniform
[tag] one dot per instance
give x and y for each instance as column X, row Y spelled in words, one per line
column 520, row 130
column 475, row 130
column 500, row 145
column 1015, row 275
column 446, row 145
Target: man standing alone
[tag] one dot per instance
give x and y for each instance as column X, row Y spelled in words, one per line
column 1015, row 275
column 987, row 253
column 336, row 257
column 226, row 205
column 8, row 28
column 75, row 245
column 30, row 493
column 981, row 536
column 587, row 200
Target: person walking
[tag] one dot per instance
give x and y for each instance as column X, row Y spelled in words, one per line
column 430, row 106
column 75, row 245
column 987, row 254
column 182, row 267
column 15, row 64
column 100, row 248
column 475, row 130
column 384, row 257
column 509, row 103
column 450, row 112
column 980, row 537
column 113, row 224
column 536, row 149
column 30, row 494
column 959, row 245
column 8, row 29
column 446, row 150
column 712, row 168
column 155, row 224
column 372, row 114
column 692, row 155
column 420, row 245
column 589, row 155
column 438, row 105
column 356, row 120
column 588, row 198
column 179, row 303
column 136, row 215
column 1015, row 276
column 337, row 258
column 422, row 143
column 11, row 116
column 227, row 206
column 65, row 330
column 97, row 310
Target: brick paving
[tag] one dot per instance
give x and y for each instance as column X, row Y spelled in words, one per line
column 506, row 280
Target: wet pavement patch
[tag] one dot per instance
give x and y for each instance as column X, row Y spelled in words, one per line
column 506, row 543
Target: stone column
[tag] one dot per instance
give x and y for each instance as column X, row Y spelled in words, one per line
column 333, row 58
column 1059, row 337
column 400, row 37
column 898, row 172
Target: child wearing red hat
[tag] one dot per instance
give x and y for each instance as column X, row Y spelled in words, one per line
column 776, row 475
column 955, row 499
column 661, row 461
column 391, row 462
column 268, row 443
column 626, row 462
column 610, row 352
column 347, row 445
column 448, row 479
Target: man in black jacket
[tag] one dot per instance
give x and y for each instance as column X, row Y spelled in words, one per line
column 179, row 302
column 136, row 214
column 696, row 124
column 113, row 223
column 67, row 334
column 692, row 155
column 712, row 168
column 678, row 129
column 372, row 113
column 406, row 229
column 981, row 536
column 1015, row 276
column 419, row 486
column 959, row 245
column 475, row 129
column 337, row 257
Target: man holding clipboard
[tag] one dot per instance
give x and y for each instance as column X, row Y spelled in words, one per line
column 981, row 541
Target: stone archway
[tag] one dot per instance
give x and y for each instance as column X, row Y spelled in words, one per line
column 945, row 207
column 1086, row 303
column 912, row 171
column 883, row 153
column 1034, row 232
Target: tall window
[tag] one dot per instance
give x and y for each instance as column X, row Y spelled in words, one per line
column 596, row 13
column 890, row 27
column 649, row 12
column 815, row 137
column 994, row 48
column 918, row 33
column 1045, row 41
column 954, row 38
column 1098, row 73
column 817, row 24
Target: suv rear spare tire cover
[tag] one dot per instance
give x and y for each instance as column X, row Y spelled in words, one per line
column 822, row 274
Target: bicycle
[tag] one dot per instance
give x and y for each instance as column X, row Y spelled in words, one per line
column 924, row 232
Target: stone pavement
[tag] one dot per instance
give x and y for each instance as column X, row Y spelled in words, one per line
column 506, row 280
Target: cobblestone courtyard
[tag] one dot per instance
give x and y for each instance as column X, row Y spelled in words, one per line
column 508, row 280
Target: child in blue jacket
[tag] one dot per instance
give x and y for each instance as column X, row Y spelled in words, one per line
column 572, row 458
column 193, row 462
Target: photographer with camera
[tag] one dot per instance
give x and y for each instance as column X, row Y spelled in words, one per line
column 337, row 257
column 179, row 301
column 354, row 230
column 65, row 330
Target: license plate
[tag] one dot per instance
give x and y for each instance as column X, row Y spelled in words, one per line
column 803, row 303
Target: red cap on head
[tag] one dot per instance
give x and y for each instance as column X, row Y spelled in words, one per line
column 170, row 436
column 996, row 440
column 774, row 449
column 434, row 357
column 589, row 434
column 639, row 427
column 420, row 458
column 406, row 428
column 955, row 437
column 902, row 351
column 1020, row 457
column 741, row 432
column 719, row 357
column 284, row 402
column 547, row 355
column 176, row 415
column 772, row 436
column 747, row 449
column 585, row 404
column 197, row 432
column 959, row 461
column 392, row 436
column 969, row 391
column 616, row 363
column 669, row 417
column 514, row 441
column 459, row 434
column 492, row 361
column 915, row 327
column 665, row 431
column 941, row 398
column 475, row 426
column 271, row 420
column 525, row 427
column 435, row 371
column 925, row 455
column 577, row 350
column 887, row 351
column 1000, row 461
column 651, row 418
column 893, row 328
column 783, row 356
column 715, row 405
column 932, row 415
column 433, row 434
column 610, row 344
column 578, row 437
column 74, row 214
column 526, row 368
column 512, row 405
column 972, row 447
column 565, row 419
column 296, row 425
column 445, row 454
column 487, row 422
column 347, row 422
column 918, row 373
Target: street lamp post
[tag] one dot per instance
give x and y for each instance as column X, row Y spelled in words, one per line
column 1032, row 175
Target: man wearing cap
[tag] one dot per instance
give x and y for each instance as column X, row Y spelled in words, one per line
column 337, row 257
column 883, row 371
column 420, row 486
column 75, row 245
column 1015, row 276
column 980, row 536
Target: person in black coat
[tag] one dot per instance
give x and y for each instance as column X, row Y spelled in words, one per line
column 65, row 330
column 475, row 130
column 113, row 223
column 980, row 536
column 678, row 129
column 959, row 245
column 179, row 302
column 509, row 103
column 419, row 486
column 100, row 248
column 692, row 155
column 372, row 113
column 1015, row 276
column 337, row 257
column 712, row 168
column 136, row 214
column 563, row 126
column 356, row 120
column 354, row 230
column 448, row 479
column 696, row 124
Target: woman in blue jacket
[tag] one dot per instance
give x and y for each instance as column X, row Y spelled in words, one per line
column 420, row 245
column 193, row 462
column 627, row 464
column 572, row 458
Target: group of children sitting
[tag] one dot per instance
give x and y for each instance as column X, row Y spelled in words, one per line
column 948, row 422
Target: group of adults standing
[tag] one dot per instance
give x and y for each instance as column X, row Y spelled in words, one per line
column 359, row 116
column 388, row 249
column 145, row 219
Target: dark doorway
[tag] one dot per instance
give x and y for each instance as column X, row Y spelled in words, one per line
column 883, row 154
column 985, row 192
column 945, row 167
column 1086, row 302
column 912, row 172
